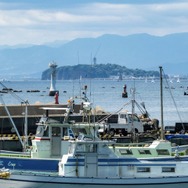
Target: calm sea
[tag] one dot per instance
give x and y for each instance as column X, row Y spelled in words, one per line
column 107, row 94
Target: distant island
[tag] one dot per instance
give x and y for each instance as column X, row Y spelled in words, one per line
column 97, row 71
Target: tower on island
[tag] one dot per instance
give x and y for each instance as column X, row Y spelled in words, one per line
column 53, row 90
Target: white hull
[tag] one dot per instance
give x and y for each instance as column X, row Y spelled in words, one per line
column 31, row 181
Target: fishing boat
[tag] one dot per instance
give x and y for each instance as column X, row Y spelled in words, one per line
column 49, row 144
column 179, row 141
column 90, row 163
column 50, row 141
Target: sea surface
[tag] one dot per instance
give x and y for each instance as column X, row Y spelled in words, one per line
column 107, row 95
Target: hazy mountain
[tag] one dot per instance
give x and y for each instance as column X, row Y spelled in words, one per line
column 56, row 43
column 140, row 51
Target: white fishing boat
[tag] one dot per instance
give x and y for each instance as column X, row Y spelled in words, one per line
column 50, row 141
column 49, row 144
column 90, row 163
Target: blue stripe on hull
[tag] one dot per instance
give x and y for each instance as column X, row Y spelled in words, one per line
column 29, row 164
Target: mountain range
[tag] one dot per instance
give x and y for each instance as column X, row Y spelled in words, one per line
column 138, row 51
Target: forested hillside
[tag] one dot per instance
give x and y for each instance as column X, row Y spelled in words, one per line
column 96, row 71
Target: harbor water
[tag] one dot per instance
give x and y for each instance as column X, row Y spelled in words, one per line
column 107, row 95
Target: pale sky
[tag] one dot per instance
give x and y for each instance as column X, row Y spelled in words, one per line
column 43, row 21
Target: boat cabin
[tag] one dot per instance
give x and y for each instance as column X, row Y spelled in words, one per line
column 94, row 158
column 86, row 157
column 51, row 140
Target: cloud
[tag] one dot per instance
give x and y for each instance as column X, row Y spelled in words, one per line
column 36, row 22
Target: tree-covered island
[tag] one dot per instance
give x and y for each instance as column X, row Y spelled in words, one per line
column 97, row 71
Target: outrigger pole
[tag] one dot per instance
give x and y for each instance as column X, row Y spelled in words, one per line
column 26, row 126
column 13, row 124
column 25, row 142
column 161, row 96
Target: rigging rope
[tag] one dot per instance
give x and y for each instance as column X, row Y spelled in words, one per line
column 173, row 100
column 13, row 94
column 106, row 117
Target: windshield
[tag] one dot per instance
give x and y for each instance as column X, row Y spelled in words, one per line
column 133, row 117
column 42, row 131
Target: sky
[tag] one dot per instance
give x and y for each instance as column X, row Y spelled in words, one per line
column 44, row 21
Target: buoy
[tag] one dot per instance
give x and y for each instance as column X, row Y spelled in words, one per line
column 124, row 94
column 56, row 97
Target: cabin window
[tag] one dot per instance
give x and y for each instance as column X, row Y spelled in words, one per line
column 144, row 152
column 122, row 116
column 168, row 169
column 125, row 152
column 40, row 131
column 64, row 132
column 56, row 131
column 80, row 148
column 143, row 169
column 163, row 152
column 46, row 131
column 78, row 131
column 89, row 148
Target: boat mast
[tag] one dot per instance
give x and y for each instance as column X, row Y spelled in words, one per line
column 133, row 111
column 161, row 96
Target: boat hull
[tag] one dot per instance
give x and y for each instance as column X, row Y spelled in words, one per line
column 48, row 181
